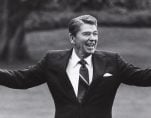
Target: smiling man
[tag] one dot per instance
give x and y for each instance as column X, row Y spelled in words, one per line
column 83, row 81
column 84, row 36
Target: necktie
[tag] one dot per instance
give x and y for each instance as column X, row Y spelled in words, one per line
column 83, row 80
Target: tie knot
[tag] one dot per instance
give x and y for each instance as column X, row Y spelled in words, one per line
column 82, row 62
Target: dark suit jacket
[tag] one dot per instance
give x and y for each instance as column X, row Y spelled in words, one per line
column 98, row 100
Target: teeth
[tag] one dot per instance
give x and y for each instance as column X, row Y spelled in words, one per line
column 91, row 44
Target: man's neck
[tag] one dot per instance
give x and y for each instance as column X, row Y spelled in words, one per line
column 81, row 55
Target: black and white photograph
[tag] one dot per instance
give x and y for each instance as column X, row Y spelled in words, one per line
column 75, row 58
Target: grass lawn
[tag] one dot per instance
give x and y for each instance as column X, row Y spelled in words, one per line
column 130, row 102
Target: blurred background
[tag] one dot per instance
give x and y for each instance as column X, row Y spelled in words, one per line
column 28, row 28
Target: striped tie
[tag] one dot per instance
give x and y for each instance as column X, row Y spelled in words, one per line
column 83, row 80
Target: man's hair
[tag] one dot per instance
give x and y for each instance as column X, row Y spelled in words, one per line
column 75, row 23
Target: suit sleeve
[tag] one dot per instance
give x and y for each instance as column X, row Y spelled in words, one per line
column 132, row 75
column 23, row 79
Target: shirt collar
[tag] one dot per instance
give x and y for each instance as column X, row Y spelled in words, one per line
column 75, row 59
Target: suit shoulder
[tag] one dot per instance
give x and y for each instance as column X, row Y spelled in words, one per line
column 56, row 52
column 106, row 53
column 110, row 57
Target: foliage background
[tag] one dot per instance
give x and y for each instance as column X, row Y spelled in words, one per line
column 56, row 13
column 109, row 13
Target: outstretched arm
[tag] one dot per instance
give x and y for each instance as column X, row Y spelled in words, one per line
column 132, row 75
column 23, row 79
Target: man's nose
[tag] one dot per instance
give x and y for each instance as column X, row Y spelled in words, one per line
column 92, row 37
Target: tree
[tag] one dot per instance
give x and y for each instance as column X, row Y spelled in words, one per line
column 137, row 4
column 15, row 12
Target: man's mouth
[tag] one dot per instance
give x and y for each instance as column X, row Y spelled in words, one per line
column 91, row 44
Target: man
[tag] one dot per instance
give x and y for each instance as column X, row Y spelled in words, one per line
column 82, row 80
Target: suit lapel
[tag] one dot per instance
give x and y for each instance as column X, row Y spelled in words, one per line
column 99, row 65
column 61, row 66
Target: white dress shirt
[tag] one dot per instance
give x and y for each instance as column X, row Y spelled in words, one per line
column 73, row 68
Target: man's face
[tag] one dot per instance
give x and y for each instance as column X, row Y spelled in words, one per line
column 85, row 41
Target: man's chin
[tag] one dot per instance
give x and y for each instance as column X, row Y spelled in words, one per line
column 90, row 51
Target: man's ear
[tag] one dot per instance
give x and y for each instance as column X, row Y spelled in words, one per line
column 71, row 38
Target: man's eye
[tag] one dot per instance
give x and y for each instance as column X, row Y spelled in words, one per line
column 86, row 33
column 95, row 33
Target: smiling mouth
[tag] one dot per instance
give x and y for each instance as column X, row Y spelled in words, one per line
column 91, row 44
